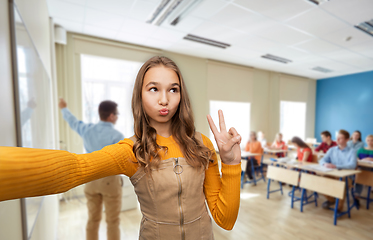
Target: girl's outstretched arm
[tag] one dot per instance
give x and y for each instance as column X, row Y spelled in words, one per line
column 30, row 172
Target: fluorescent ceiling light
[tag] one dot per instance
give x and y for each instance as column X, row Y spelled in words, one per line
column 173, row 10
column 318, row 2
column 276, row 58
column 206, row 41
column 366, row 27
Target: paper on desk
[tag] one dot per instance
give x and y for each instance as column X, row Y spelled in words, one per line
column 283, row 160
column 317, row 167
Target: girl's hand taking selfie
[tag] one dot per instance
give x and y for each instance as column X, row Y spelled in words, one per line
column 228, row 142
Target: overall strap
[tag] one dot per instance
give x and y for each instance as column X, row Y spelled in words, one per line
column 133, row 138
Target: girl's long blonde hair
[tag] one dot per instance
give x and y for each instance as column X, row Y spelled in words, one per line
column 145, row 147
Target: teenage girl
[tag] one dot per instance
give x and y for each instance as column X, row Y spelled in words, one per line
column 173, row 169
column 355, row 141
column 279, row 144
column 304, row 152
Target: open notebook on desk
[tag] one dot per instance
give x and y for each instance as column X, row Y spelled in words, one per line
column 317, row 167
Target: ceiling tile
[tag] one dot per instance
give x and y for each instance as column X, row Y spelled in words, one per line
column 284, row 34
column 276, row 9
column 243, row 52
column 317, row 46
column 186, row 25
column 365, row 48
column 317, row 22
column 208, row 8
column 120, row 7
column 238, row 18
column 142, row 10
column 103, row 19
column 139, row 28
column 290, row 53
column 69, row 25
column 351, row 58
column 130, row 38
column 257, row 43
column 352, row 11
column 218, row 32
column 66, row 10
column 339, row 37
column 99, row 31
column 155, row 43
column 168, row 35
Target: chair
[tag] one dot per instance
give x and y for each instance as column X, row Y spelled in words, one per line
column 366, row 178
column 315, row 158
column 325, row 186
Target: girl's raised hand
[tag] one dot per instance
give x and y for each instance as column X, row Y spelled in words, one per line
column 228, row 142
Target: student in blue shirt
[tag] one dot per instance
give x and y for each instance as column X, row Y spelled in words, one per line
column 341, row 157
column 107, row 190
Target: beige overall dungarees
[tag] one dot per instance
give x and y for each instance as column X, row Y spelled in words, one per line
column 172, row 201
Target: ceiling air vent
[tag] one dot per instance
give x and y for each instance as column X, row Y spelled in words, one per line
column 276, row 58
column 321, row 69
column 206, row 41
column 366, row 27
column 318, row 2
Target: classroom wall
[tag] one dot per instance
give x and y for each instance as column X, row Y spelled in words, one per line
column 345, row 103
column 205, row 80
column 10, row 211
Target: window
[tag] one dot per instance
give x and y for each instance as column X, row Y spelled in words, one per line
column 108, row 79
column 236, row 114
column 292, row 119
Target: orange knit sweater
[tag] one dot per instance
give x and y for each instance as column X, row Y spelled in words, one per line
column 28, row 172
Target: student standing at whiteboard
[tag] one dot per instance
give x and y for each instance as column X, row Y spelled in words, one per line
column 106, row 190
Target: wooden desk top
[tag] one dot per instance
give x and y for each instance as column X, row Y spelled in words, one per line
column 333, row 173
column 364, row 164
column 245, row 154
column 267, row 150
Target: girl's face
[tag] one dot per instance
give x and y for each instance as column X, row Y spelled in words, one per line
column 160, row 94
column 369, row 141
column 252, row 137
column 279, row 137
column 355, row 136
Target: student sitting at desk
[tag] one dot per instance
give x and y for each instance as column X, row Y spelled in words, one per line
column 341, row 157
column 279, row 144
column 365, row 154
column 304, row 152
column 355, row 141
column 327, row 142
column 253, row 146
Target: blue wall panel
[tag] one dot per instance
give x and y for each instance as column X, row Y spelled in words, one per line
column 345, row 102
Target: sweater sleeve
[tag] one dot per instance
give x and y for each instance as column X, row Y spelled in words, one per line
column 30, row 172
column 222, row 193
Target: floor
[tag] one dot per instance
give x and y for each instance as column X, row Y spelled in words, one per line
column 258, row 218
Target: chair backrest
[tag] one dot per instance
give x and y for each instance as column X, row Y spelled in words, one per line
column 365, row 178
column 327, row 186
column 315, row 158
column 283, row 175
